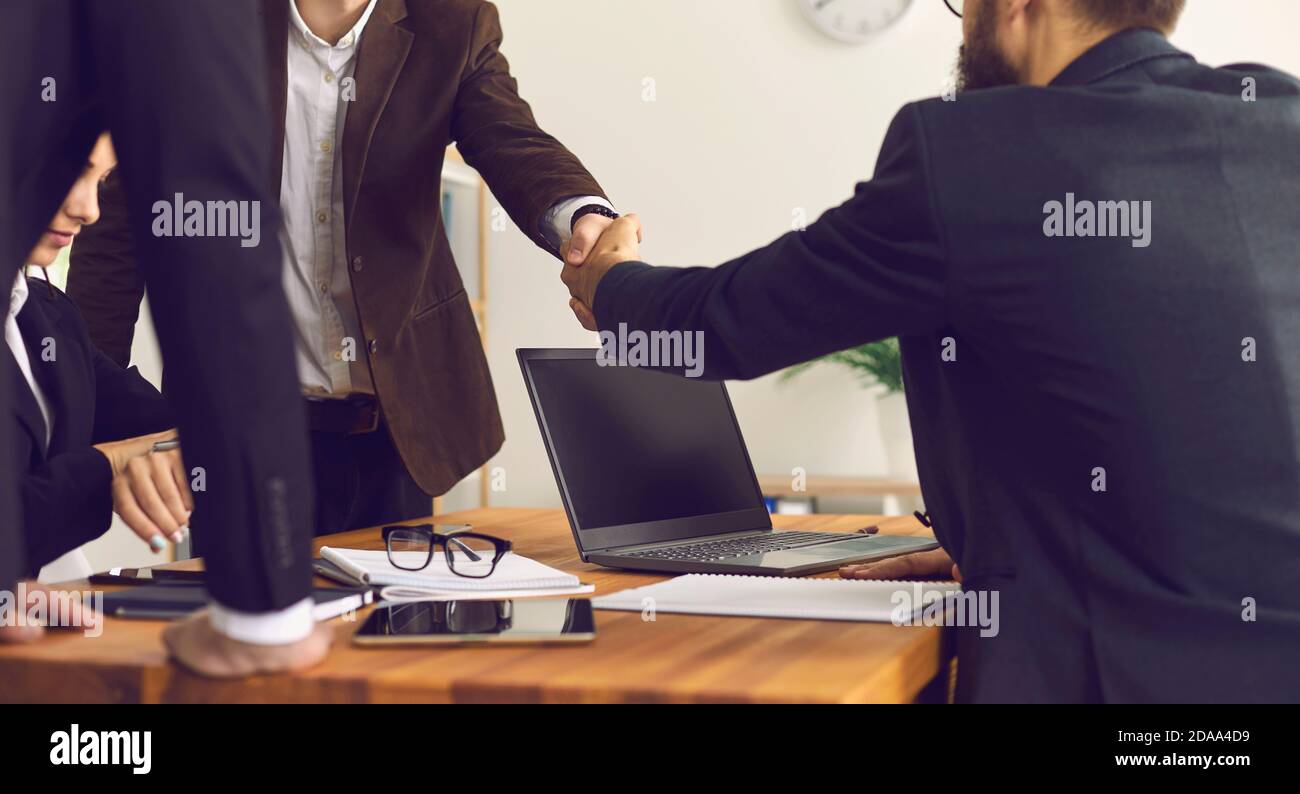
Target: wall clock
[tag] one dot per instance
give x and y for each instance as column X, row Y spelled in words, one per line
column 854, row 21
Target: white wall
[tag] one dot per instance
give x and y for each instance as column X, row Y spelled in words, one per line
column 756, row 115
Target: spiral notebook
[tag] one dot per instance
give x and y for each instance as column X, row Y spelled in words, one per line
column 771, row 597
column 513, row 573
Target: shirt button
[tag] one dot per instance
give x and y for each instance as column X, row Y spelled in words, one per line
column 329, row 77
column 324, row 288
column 374, row 346
column 338, row 355
column 322, row 217
column 325, row 146
column 357, row 264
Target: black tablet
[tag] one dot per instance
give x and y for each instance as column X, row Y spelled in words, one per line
column 528, row 621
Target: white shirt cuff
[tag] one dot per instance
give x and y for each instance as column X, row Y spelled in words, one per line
column 557, row 225
column 280, row 627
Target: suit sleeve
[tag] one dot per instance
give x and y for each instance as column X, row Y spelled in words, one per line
column 66, row 503
column 183, row 89
column 104, row 280
column 870, row 269
column 528, row 170
column 126, row 405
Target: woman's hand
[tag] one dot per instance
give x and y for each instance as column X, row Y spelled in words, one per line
column 150, row 490
column 119, row 453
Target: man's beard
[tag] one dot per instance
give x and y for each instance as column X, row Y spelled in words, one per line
column 980, row 64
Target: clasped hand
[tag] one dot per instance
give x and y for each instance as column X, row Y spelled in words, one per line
column 619, row 242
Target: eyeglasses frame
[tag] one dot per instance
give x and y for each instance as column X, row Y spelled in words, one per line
column 446, row 541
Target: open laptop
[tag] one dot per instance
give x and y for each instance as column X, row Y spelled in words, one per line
column 655, row 475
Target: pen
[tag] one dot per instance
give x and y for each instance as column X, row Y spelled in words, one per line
column 129, row 613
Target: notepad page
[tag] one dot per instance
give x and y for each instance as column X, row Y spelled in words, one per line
column 513, row 572
column 771, row 597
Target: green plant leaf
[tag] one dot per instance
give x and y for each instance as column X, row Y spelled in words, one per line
column 875, row 364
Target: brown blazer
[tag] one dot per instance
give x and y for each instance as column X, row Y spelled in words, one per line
column 429, row 73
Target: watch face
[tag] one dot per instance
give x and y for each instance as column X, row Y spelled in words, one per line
column 854, row 21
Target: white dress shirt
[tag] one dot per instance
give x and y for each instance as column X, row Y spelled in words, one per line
column 264, row 628
column 14, row 338
column 316, row 277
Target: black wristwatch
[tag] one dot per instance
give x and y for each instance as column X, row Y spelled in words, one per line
column 592, row 209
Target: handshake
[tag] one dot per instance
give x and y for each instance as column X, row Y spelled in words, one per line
column 597, row 245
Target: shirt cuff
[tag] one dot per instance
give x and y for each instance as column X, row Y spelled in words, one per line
column 557, row 224
column 281, row 627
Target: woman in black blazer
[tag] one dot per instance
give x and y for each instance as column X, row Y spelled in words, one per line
column 85, row 427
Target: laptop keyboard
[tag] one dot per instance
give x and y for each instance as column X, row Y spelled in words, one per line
column 738, row 547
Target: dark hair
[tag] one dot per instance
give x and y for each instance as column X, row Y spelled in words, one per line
column 1116, row 14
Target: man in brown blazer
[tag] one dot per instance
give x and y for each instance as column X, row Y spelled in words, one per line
column 369, row 94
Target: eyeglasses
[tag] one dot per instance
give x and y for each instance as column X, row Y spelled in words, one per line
column 468, row 554
column 955, row 6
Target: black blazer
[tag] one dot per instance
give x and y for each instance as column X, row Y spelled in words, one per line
column 65, row 490
column 182, row 89
column 1171, row 369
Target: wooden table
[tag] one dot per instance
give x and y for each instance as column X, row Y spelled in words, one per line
column 676, row 658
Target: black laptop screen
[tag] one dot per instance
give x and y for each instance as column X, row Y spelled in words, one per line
column 635, row 445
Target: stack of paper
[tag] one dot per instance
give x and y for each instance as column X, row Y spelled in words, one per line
column 771, row 597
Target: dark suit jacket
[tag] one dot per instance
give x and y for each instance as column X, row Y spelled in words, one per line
column 1074, row 357
column 182, row 89
column 427, row 74
column 65, row 489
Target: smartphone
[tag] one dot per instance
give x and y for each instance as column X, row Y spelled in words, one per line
column 146, row 576
column 531, row 621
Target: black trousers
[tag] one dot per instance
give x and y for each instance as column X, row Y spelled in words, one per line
column 1042, row 651
column 362, row 482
